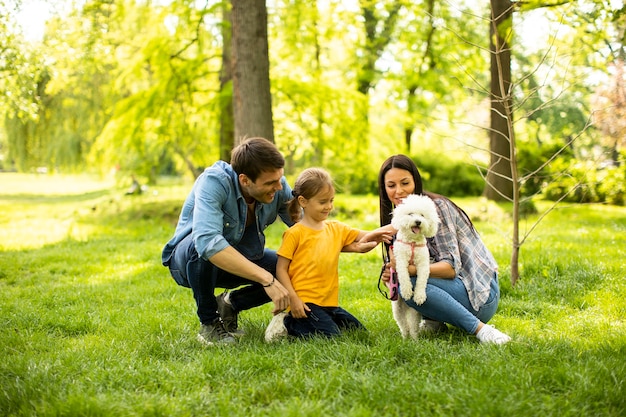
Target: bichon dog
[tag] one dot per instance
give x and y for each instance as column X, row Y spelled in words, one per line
column 415, row 219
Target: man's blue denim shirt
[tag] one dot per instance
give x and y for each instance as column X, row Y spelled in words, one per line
column 215, row 213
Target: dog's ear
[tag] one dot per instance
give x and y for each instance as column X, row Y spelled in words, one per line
column 394, row 221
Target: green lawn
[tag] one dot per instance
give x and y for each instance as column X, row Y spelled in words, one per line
column 92, row 325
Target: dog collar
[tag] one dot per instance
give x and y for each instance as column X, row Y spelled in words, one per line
column 413, row 246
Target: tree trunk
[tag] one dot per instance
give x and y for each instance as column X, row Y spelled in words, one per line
column 499, row 185
column 502, row 179
column 227, row 128
column 252, row 101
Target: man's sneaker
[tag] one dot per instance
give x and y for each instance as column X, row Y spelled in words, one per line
column 276, row 329
column 428, row 326
column 489, row 334
column 228, row 315
column 215, row 334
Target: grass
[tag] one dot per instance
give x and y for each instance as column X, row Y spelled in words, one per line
column 92, row 325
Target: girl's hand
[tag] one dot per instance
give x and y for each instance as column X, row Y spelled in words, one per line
column 382, row 234
column 298, row 308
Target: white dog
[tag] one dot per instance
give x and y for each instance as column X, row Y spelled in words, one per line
column 415, row 219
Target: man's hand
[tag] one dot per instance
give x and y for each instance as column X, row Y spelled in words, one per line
column 279, row 295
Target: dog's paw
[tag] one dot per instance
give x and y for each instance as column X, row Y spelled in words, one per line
column 406, row 293
column 419, row 298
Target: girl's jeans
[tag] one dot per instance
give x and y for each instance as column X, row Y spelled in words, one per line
column 191, row 271
column 325, row 321
column 447, row 301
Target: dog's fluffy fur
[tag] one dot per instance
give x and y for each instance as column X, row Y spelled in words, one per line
column 415, row 219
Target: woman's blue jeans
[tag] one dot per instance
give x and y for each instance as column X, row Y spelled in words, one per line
column 191, row 271
column 447, row 301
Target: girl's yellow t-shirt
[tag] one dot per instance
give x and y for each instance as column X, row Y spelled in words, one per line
column 314, row 255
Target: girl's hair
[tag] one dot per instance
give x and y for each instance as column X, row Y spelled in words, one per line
column 407, row 164
column 254, row 156
column 308, row 184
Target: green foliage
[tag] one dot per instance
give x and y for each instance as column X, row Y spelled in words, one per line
column 586, row 182
column 357, row 208
column 576, row 179
column 612, row 186
column 452, row 178
column 165, row 117
column 360, row 176
column 19, row 67
column 552, row 170
column 137, row 85
column 440, row 174
column 23, row 79
column 92, row 323
column 533, row 166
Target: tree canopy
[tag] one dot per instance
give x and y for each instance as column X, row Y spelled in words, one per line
column 137, row 86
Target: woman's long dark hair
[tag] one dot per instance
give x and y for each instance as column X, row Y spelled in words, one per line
column 386, row 206
column 400, row 162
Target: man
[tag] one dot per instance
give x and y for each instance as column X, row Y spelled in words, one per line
column 219, row 240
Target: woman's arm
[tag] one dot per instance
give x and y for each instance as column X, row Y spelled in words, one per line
column 441, row 269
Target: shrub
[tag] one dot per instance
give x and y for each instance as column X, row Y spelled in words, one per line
column 449, row 177
column 612, row 185
column 530, row 157
column 582, row 181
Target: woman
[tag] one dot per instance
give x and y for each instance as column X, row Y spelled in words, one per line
column 463, row 286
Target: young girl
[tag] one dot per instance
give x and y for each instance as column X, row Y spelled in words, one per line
column 308, row 261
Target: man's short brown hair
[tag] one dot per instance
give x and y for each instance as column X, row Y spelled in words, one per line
column 254, row 156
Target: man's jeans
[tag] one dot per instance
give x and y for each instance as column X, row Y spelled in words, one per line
column 191, row 271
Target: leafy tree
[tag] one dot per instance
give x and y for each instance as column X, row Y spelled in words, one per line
column 441, row 57
column 319, row 114
column 502, row 127
column 25, row 124
column 166, row 113
column 12, row 61
column 23, row 77
column 147, row 86
column 81, row 92
column 379, row 22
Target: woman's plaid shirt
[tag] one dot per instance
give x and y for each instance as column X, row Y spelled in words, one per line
column 458, row 243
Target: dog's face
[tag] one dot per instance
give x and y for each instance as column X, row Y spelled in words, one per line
column 416, row 217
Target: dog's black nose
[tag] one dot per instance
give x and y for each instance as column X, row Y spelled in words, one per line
column 418, row 223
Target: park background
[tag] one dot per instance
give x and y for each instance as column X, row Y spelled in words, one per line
column 159, row 88
column 93, row 325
